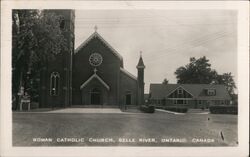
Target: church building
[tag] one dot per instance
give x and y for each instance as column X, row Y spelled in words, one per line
column 93, row 74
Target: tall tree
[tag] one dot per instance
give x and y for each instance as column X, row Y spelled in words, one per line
column 197, row 71
column 37, row 38
column 165, row 81
column 227, row 80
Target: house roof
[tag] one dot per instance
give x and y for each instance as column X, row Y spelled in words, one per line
column 97, row 35
column 98, row 78
column 160, row 91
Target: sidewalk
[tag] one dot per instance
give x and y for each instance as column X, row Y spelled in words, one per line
column 171, row 112
column 190, row 111
column 87, row 110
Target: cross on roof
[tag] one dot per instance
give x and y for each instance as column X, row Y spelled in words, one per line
column 140, row 53
column 95, row 70
column 95, row 28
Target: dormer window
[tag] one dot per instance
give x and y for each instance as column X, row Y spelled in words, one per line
column 180, row 91
column 211, row 92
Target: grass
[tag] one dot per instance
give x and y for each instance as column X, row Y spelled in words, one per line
column 159, row 125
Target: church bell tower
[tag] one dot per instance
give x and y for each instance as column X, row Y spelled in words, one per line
column 56, row 77
column 140, row 79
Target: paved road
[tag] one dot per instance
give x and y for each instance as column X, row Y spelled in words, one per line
column 123, row 129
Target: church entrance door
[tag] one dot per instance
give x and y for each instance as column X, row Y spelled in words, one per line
column 128, row 98
column 95, row 97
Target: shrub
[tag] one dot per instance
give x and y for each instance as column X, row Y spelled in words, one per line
column 148, row 109
column 177, row 109
column 159, row 107
column 223, row 109
column 34, row 105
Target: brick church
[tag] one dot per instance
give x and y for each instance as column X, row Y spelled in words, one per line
column 93, row 74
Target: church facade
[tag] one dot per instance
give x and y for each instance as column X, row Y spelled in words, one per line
column 93, row 74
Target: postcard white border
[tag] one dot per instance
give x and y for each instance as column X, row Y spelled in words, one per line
column 243, row 81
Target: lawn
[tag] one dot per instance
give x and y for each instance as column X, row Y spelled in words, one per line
column 129, row 129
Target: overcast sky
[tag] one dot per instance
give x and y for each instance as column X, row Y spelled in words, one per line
column 167, row 38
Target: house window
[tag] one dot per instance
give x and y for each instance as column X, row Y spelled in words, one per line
column 175, row 101
column 180, row 91
column 222, row 102
column 159, row 102
column 180, row 101
column 54, row 83
column 211, row 92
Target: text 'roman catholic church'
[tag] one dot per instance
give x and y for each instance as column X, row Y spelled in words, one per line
column 93, row 74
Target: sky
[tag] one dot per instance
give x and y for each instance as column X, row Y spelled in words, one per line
column 167, row 38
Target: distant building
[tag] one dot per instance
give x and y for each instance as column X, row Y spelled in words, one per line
column 190, row 95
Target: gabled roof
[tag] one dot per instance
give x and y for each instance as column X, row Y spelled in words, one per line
column 97, row 35
column 160, row 91
column 98, row 78
column 128, row 74
column 180, row 87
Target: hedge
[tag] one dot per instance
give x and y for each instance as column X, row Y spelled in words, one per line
column 147, row 109
column 177, row 109
column 223, row 109
column 159, row 107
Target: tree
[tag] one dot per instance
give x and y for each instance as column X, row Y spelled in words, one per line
column 165, row 81
column 37, row 38
column 227, row 80
column 197, row 71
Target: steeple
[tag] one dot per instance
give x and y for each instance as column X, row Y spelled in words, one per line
column 140, row 63
column 140, row 80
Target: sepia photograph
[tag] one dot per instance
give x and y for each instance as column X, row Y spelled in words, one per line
column 120, row 77
column 128, row 78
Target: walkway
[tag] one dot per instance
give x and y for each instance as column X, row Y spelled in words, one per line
column 87, row 110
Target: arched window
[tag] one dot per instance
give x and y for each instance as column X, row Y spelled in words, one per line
column 62, row 23
column 54, row 83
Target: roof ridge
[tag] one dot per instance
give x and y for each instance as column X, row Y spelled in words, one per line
column 128, row 73
column 96, row 34
column 98, row 78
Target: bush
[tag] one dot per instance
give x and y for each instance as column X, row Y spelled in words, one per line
column 223, row 109
column 34, row 105
column 177, row 109
column 159, row 107
column 148, row 109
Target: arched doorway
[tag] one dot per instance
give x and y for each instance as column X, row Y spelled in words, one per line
column 95, row 96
